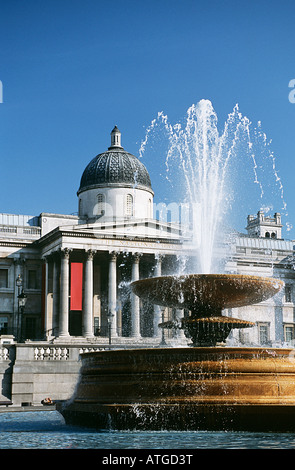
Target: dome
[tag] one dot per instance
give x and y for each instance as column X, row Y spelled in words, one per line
column 115, row 168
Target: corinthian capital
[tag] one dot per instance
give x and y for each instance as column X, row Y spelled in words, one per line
column 90, row 254
column 136, row 257
column 113, row 255
column 65, row 252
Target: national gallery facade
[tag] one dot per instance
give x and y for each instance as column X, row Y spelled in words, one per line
column 66, row 278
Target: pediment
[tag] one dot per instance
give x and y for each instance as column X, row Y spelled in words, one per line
column 134, row 228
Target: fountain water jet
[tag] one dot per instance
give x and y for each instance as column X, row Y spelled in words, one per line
column 216, row 165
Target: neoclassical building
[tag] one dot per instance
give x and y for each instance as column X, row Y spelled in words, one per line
column 74, row 270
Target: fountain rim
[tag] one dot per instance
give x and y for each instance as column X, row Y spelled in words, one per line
column 274, row 285
column 220, row 351
column 213, row 276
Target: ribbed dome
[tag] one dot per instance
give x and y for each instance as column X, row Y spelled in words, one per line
column 115, row 167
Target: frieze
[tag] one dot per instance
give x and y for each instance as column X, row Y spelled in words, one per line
column 138, row 244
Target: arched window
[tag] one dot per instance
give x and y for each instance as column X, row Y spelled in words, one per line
column 273, row 235
column 100, row 204
column 267, row 235
column 129, row 205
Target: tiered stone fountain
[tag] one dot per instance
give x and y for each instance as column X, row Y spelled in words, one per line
column 205, row 386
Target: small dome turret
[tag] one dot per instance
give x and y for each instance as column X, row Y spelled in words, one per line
column 115, row 139
column 115, row 167
column 115, row 185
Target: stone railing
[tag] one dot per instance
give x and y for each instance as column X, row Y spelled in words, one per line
column 20, row 232
column 4, row 354
column 84, row 350
column 51, row 354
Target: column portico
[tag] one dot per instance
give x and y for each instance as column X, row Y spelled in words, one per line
column 112, row 294
column 135, row 311
column 88, row 300
column 157, row 308
column 55, row 288
column 64, row 293
column 47, row 323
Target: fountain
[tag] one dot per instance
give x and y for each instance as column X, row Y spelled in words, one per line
column 207, row 385
column 205, row 296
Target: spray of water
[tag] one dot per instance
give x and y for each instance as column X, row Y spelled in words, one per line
column 210, row 164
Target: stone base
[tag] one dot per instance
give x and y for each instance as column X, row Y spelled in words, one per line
column 216, row 388
column 188, row 417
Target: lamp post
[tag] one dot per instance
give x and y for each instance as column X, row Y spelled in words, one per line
column 109, row 317
column 22, row 299
column 163, row 342
column 19, row 283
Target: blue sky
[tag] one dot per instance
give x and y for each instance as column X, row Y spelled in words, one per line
column 72, row 69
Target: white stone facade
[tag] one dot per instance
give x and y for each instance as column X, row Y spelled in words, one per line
column 115, row 204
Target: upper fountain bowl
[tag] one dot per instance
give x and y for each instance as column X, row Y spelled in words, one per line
column 217, row 291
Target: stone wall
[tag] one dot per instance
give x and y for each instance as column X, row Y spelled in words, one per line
column 7, row 356
column 31, row 372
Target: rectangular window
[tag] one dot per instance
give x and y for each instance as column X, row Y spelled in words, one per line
column 289, row 333
column 3, row 278
column 263, row 333
column 3, row 325
column 96, row 326
column 288, row 293
column 32, row 279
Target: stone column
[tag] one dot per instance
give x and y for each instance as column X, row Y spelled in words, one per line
column 88, row 299
column 18, row 271
column 112, row 297
column 157, row 308
column 55, row 295
column 64, row 293
column 179, row 314
column 47, row 325
column 135, row 313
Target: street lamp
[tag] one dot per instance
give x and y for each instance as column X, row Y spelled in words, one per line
column 163, row 342
column 110, row 315
column 22, row 299
column 19, row 283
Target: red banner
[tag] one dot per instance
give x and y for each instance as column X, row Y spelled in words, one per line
column 76, row 286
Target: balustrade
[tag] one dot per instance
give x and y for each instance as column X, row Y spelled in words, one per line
column 51, row 354
column 4, row 354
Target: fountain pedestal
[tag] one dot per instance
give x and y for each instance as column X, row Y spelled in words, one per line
column 216, row 388
column 206, row 296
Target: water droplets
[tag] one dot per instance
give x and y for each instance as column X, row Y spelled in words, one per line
column 219, row 172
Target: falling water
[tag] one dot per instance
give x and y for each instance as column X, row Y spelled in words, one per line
column 215, row 168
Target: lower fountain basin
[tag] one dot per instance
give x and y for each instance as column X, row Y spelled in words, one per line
column 216, row 388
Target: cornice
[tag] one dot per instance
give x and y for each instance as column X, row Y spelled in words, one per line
column 60, row 232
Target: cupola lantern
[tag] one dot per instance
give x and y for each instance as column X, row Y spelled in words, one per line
column 116, row 137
